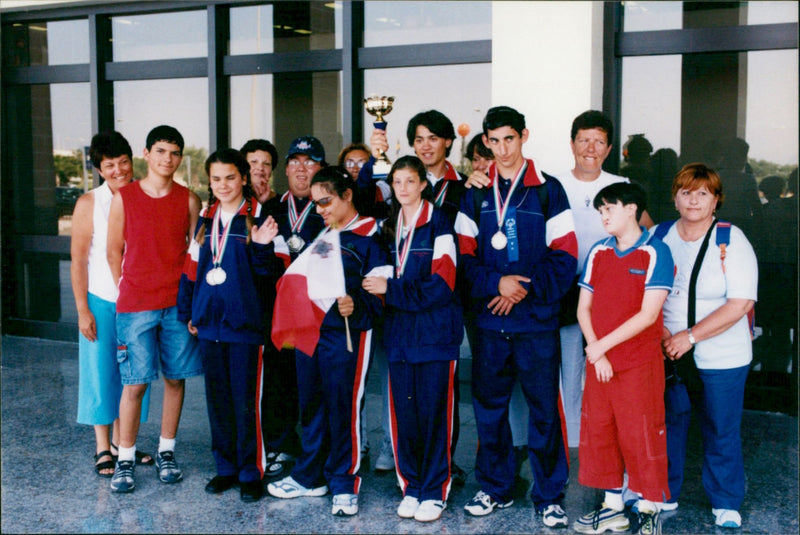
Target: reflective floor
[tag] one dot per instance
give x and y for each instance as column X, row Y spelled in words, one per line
column 49, row 485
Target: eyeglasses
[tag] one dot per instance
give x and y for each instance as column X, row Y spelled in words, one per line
column 354, row 163
column 308, row 164
column 325, row 201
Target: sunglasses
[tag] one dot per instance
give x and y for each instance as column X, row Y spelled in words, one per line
column 324, row 202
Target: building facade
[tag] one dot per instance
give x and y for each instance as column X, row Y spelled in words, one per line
column 682, row 78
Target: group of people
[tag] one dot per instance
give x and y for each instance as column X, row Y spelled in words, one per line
column 281, row 300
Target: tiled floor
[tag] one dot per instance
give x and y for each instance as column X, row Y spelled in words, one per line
column 48, row 484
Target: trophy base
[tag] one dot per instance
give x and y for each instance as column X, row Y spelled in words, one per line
column 380, row 170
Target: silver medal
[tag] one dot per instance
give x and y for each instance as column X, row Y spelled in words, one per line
column 499, row 240
column 295, row 243
column 216, row 276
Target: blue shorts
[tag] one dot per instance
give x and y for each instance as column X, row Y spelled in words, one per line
column 151, row 338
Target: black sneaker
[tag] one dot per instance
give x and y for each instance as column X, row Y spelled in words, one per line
column 251, row 491
column 167, row 467
column 122, row 480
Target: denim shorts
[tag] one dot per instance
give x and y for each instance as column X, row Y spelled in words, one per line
column 151, row 338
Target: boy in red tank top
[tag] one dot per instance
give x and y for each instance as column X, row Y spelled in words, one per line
column 149, row 229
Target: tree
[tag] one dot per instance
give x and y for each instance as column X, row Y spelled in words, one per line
column 67, row 167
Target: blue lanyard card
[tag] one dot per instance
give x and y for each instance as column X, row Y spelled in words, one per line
column 511, row 234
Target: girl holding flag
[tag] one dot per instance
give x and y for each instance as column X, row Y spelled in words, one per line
column 222, row 307
column 324, row 313
column 423, row 333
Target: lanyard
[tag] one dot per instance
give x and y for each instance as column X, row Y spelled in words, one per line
column 350, row 224
column 297, row 221
column 402, row 253
column 502, row 205
column 439, row 200
column 218, row 242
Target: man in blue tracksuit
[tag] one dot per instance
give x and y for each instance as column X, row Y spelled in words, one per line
column 518, row 248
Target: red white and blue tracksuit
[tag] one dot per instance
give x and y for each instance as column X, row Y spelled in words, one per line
column 447, row 195
column 279, row 401
column 230, row 330
column 331, row 381
column 524, row 344
column 423, row 332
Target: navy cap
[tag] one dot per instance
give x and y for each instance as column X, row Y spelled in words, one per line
column 308, row 145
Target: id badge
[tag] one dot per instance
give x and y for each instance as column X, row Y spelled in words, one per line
column 511, row 234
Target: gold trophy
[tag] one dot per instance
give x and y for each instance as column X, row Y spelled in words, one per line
column 378, row 107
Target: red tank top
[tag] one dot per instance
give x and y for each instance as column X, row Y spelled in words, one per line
column 155, row 248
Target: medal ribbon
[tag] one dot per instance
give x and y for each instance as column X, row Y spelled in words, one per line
column 500, row 205
column 297, row 221
column 350, row 224
column 218, row 242
column 402, row 253
column 440, row 196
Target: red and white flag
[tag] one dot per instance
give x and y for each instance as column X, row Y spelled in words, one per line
column 306, row 291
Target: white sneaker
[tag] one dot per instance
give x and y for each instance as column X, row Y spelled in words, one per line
column 289, row 488
column 345, row 505
column 667, row 506
column 430, row 510
column 727, row 518
column 553, row 516
column 482, row 504
column 408, row 507
column 664, row 507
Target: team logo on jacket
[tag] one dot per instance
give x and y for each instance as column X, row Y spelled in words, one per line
column 322, row 248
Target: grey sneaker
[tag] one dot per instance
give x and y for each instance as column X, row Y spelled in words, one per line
column 385, row 460
column 602, row 519
column 649, row 523
column 122, row 480
column 167, row 467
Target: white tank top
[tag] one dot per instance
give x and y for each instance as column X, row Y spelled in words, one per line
column 101, row 283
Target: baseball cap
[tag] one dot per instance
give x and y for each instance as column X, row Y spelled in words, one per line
column 308, row 145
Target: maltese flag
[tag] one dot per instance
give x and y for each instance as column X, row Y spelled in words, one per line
column 306, row 291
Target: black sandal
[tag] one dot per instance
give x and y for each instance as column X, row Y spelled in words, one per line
column 105, row 465
column 140, row 455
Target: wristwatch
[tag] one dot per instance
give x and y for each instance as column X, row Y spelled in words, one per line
column 691, row 336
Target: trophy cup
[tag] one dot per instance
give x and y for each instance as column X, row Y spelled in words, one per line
column 378, row 107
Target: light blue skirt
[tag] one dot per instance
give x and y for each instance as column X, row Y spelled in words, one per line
column 99, row 385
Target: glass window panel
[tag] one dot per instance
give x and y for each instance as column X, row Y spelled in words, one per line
column 765, row 12
column 252, row 114
column 46, row 43
column 44, row 289
column 46, row 128
column 159, row 36
column 412, row 23
column 462, row 93
column 649, row 16
column 286, row 27
column 139, row 106
column 303, row 104
column 49, row 167
column 772, row 106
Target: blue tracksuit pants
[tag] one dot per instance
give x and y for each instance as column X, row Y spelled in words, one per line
column 422, row 403
column 533, row 360
column 331, row 392
column 231, row 379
